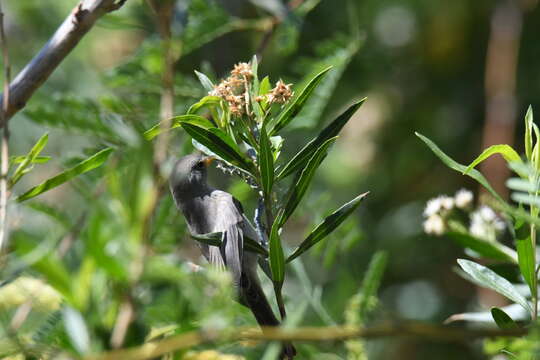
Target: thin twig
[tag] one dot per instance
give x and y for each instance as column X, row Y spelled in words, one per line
column 306, row 334
column 4, row 156
column 81, row 19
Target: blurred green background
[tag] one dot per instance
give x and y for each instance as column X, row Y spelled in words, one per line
column 421, row 63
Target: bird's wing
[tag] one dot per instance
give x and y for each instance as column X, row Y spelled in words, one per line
column 227, row 218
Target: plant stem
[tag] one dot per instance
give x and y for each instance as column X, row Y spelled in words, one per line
column 280, row 302
column 534, row 290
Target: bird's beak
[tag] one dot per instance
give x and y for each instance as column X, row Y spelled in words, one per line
column 208, row 160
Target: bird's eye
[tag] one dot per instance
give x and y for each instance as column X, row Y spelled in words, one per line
column 199, row 165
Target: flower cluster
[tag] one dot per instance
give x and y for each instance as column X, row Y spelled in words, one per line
column 485, row 224
column 438, row 209
column 280, row 94
column 441, row 213
column 233, row 89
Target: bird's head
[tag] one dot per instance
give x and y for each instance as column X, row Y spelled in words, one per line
column 189, row 173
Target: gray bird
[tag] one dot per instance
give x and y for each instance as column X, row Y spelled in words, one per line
column 208, row 210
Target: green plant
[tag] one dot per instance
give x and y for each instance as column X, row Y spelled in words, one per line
column 241, row 121
column 521, row 222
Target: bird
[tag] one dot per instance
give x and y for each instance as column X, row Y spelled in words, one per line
column 209, row 210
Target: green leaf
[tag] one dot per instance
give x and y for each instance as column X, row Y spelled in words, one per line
column 526, row 199
column 452, row 164
column 253, row 246
column 502, row 319
column 30, row 158
column 300, row 186
column 264, row 86
column 535, row 157
column 519, row 184
column 526, row 257
column 488, row 249
column 266, row 162
column 277, row 258
column 489, row 279
column 37, row 160
column 76, row 329
column 205, row 81
column 371, row 282
column 300, row 160
column 297, row 103
column 329, row 224
column 509, row 154
column 91, row 163
column 528, row 133
column 220, row 144
column 177, row 122
column 213, row 239
column 204, row 102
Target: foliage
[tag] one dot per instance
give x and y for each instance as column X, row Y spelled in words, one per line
column 105, row 260
column 522, row 227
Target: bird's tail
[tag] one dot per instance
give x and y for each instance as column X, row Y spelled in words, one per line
column 253, row 296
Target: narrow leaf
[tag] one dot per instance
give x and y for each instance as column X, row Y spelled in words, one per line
column 205, row 81
column 300, row 186
column 219, row 143
column 509, row 154
column 213, row 239
column 176, row 122
column 526, row 199
column 371, row 282
column 489, row 279
column 253, row 246
column 526, row 261
column 204, row 102
column 277, row 258
column 329, row 224
column 264, row 86
column 519, row 184
column 297, row 103
column 528, row 133
column 37, row 160
column 76, row 329
column 487, row 249
column 29, row 159
column 91, row 163
column 502, row 319
column 452, row 164
column 300, row 160
column 266, row 162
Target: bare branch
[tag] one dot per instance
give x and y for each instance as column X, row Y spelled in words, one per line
column 307, row 334
column 4, row 151
column 68, row 35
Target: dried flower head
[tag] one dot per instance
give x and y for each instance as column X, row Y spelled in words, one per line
column 242, row 70
column 281, row 93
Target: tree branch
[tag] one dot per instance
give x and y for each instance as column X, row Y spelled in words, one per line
column 307, row 334
column 4, row 151
column 68, row 35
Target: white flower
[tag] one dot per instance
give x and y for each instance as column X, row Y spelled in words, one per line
column 485, row 224
column 446, row 202
column 463, row 198
column 434, row 225
column 432, row 207
column 487, row 213
column 479, row 229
